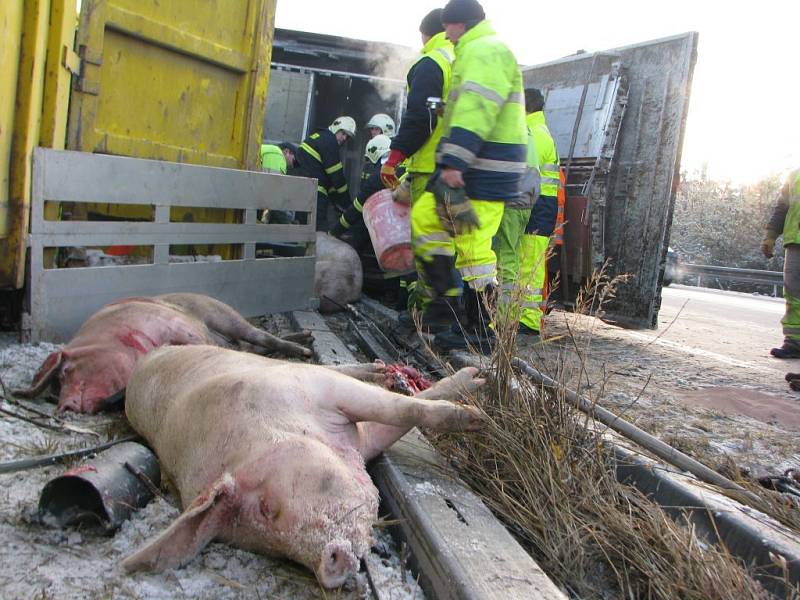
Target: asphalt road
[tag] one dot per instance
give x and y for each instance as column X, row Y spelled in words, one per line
column 728, row 327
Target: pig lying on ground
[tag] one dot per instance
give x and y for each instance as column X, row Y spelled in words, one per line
column 98, row 361
column 338, row 276
column 269, row 456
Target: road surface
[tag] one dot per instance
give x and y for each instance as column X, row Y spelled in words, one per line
column 728, row 327
column 704, row 380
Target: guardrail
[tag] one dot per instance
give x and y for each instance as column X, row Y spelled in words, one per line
column 754, row 276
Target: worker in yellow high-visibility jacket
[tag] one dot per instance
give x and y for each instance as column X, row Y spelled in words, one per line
column 480, row 160
column 785, row 221
column 535, row 242
column 415, row 144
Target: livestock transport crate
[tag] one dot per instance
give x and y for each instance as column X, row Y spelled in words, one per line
column 162, row 194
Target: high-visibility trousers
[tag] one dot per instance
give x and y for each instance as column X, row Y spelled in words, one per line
column 424, row 246
column 475, row 260
column 532, row 277
column 791, row 292
column 508, row 248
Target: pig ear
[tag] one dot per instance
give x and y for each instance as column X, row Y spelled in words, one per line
column 44, row 376
column 192, row 531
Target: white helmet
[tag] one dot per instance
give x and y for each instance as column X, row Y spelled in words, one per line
column 383, row 122
column 377, row 148
column 346, row 124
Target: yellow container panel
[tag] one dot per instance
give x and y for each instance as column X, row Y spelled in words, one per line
column 25, row 137
column 11, row 32
column 188, row 115
column 173, row 79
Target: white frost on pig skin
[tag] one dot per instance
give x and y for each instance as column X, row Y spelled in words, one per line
column 269, row 456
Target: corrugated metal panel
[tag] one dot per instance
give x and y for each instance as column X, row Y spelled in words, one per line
column 631, row 218
column 61, row 63
column 197, row 72
column 288, row 105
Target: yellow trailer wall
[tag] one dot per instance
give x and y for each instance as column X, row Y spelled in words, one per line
column 11, row 34
column 175, row 80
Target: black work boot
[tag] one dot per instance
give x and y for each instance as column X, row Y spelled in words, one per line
column 439, row 315
column 525, row 330
column 442, row 313
column 790, row 349
column 475, row 333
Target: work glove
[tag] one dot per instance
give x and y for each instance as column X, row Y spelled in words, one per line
column 389, row 169
column 453, row 208
column 768, row 247
column 402, row 194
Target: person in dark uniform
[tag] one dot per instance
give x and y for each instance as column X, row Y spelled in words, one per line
column 350, row 227
column 318, row 157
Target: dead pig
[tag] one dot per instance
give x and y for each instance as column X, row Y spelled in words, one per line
column 269, row 456
column 338, row 276
column 98, row 361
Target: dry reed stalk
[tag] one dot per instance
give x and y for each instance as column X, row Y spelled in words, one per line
column 551, row 480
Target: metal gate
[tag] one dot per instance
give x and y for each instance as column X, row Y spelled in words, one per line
column 61, row 299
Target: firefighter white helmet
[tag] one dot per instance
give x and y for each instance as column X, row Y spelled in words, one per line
column 346, row 124
column 383, row 122
column 377, row 148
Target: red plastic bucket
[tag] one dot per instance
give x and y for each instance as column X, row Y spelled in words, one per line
column 390, row 231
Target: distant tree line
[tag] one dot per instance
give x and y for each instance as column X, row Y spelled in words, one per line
column 718, row 223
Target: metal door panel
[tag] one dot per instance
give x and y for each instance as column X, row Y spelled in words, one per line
column 173, row 79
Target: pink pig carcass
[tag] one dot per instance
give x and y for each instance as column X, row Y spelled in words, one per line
column 269, row 456
column 98, row 361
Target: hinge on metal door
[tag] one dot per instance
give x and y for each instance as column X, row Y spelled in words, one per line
column 76, row 64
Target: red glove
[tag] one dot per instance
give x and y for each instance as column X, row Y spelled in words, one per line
column 389, row 169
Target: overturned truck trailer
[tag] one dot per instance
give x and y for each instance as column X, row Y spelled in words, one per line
column 618, row 118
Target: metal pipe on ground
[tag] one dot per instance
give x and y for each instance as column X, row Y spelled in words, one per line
column 104, row 491
column 661, row 449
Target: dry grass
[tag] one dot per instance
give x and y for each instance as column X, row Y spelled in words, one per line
column 551, row 480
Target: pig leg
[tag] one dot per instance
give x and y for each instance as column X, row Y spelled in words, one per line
column 229, row 324
column 369, row 372
column 374, row 438
column 356, row 402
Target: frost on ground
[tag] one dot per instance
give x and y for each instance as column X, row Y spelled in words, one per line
column 666, row 389
column 38, row 562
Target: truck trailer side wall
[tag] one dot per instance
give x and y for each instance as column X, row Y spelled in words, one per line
column 631, row 219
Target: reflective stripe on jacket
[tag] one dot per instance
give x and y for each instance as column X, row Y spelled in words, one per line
column 318, row 156
column 484, row 119
column 439, row 50
column 546, row 154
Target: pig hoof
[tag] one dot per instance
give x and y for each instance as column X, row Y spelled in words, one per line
column 301, row 337
column 476, row 420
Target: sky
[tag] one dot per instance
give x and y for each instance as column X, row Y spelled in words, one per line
column 744, row 110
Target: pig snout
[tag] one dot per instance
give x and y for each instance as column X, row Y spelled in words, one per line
column 83, row 397
column 338, row 562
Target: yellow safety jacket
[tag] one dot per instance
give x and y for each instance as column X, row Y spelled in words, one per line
column 546, row 154
column 484, row 132
column 791, row 226
column 439, row 50
column 272, row 158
